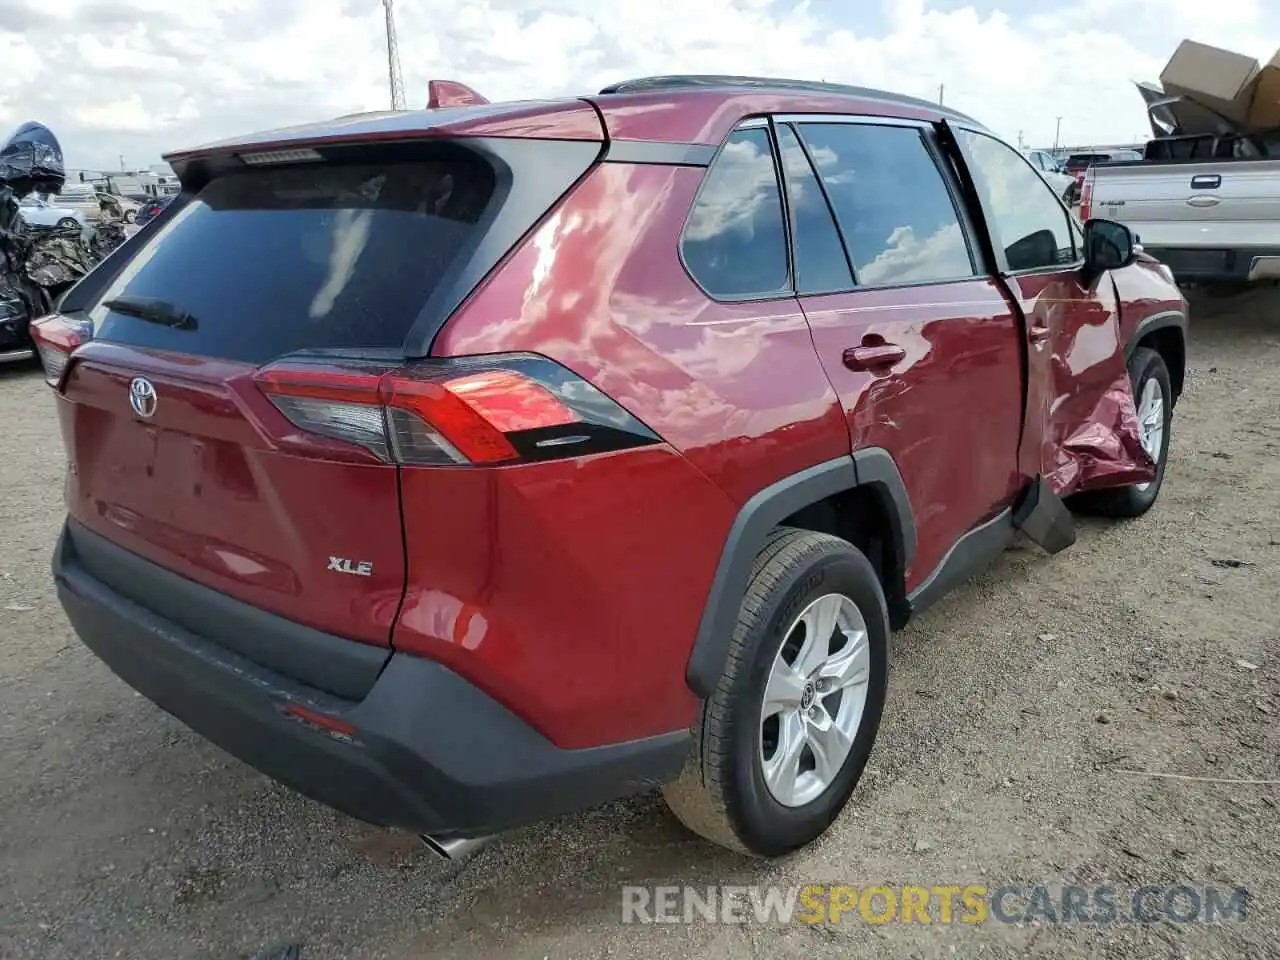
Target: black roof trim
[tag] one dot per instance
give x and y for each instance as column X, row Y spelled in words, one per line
column 704, row 81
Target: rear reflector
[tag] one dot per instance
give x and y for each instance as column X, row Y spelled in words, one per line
column 56, row 336
column 478, row 410
column 322, row 722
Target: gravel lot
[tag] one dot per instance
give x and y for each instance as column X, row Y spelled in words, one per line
column 1016, row 706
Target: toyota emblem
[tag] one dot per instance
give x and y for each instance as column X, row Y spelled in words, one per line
column 142, row 397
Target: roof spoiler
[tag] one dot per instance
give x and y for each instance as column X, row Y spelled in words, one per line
column 450, row 93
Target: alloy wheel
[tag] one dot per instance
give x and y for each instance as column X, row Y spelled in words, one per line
column 1151, row 422
column 814, row 700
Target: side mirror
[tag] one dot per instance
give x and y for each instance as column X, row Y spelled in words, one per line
column 1108, row 246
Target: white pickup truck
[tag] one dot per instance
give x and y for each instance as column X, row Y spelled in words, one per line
column 1207, row 205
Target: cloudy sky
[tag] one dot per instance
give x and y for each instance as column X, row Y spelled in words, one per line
column 139, row 77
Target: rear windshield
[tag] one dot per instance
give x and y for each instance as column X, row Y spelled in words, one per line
column 1086, row 158
column 314, row 256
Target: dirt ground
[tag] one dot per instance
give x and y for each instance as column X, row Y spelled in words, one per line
column 1016, row 707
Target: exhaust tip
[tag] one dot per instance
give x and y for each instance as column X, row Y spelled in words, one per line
column 454, row 848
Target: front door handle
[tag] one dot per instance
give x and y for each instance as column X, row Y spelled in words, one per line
column 1037, row 333
column 877, row 357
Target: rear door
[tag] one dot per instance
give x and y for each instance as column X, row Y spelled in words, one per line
column 177, row 450
column 921, row 346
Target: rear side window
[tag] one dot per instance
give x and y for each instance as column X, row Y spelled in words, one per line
column 318, row 256
column 895, row 211
column 821, row 265
column 735, row 242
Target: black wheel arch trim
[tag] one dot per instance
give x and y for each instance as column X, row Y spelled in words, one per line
column 873, row 467
column 1152, row 323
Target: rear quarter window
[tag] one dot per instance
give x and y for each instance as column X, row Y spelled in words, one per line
column 735, row 241
column 322, row 255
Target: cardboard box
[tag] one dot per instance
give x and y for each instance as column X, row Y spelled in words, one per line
column 1264, row 112
column 1219, row 79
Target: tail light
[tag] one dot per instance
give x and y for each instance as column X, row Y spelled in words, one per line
column 1086, row 195
column 479, row 410
column 56, row 336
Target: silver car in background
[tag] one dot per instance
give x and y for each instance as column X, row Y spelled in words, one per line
column 42, row 213
column 1050, row 170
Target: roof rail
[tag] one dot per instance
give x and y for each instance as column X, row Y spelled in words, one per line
column 705, row 81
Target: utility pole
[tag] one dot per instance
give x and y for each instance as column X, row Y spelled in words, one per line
column 394, row 77
column 940, row 88
column 1057, row 134
column 1020, row 143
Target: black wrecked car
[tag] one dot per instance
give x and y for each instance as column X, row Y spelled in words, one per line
column 151, row 209
column 37, row 265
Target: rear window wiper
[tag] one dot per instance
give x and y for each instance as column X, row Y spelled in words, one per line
column 154, row 311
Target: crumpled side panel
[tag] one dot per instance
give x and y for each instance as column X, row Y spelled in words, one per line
column 58, row 258
column 1081, row 430
column 1103, row 450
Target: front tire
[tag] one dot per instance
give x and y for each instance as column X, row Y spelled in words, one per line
column 1153, row 398
column 130, row 216
column 68, row 223
column 783, row 739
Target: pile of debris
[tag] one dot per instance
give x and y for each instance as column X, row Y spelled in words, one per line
column 1208, row 90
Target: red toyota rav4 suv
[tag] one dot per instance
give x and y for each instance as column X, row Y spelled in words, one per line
column 469, row 466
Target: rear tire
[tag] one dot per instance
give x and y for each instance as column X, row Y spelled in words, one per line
column 722, row 793
column 130, row 216
column 68, row 223
column 1151, row 384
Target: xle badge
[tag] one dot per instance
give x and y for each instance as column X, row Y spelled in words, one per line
column 363, row 568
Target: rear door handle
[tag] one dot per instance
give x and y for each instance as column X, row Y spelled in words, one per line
column 878, row 357
column 1038, row 333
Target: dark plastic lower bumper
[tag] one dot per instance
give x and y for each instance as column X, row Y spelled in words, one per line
column 430, row 752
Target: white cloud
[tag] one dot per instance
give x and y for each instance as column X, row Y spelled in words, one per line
column 138, row 77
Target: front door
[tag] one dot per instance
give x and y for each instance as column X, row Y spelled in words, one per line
column 1076, row 367
column 920, row 345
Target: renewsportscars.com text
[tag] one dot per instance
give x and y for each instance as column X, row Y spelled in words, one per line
column 936, row 904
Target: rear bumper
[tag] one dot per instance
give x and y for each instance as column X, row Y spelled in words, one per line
column 429, row 753
column 1220, row 265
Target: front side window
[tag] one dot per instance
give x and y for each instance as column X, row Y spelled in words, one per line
column 1024, row 215
column 735, row 243
column 895, row 211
